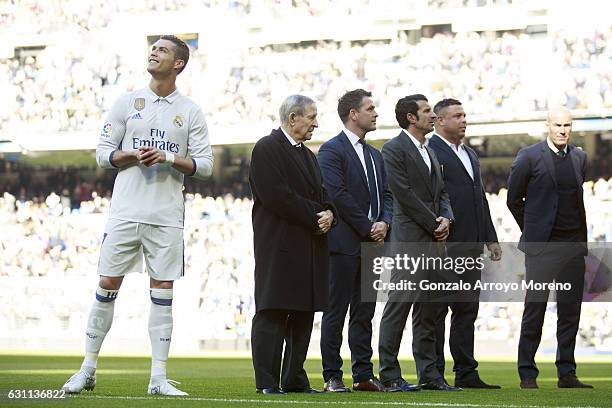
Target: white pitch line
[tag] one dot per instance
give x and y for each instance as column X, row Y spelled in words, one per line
column 314, row 401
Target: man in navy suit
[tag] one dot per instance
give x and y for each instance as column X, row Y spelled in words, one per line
column 354, row 175
column 472, row 229
column 545, row 197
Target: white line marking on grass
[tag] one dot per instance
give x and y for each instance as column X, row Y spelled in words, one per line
column 314, row 401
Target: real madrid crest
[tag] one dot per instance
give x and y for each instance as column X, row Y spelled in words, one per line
column 139, row 104
column 178, row 121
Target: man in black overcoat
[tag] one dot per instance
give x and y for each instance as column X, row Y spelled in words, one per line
column 291, row 217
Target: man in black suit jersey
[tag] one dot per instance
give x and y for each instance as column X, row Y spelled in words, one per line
column 472, row 229
column 545, row 197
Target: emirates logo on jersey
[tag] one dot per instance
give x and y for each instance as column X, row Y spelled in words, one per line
column 178, row 121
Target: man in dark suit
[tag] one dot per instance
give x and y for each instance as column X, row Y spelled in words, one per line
column 545, row 197
column 355, row 178
column 421, row 214
column 472, row 229
column 291, row 217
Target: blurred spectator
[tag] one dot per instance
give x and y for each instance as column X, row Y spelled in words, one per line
column 69, row 86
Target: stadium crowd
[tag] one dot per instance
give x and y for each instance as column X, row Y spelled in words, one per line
column 30, row 16
column 50, row 237
column 68, row 87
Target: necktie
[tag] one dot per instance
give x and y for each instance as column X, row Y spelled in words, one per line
column 371, row 179
column 561, row 153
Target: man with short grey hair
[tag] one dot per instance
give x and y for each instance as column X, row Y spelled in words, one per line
column 291, row 217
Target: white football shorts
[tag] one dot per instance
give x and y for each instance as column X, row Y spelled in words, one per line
column 125, row 243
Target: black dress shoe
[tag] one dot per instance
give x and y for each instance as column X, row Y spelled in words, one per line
column 303, row 391
column 439, row 385
column 476, row 383
column 335, row 385
column 401, row 385
column 273, row 390
column 571, row 381
column 529, row 383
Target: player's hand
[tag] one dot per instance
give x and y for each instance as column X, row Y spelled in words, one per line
column 149, row 156
column 326, row 218
column 496, row 251
column 378, row 232
column 441, row 233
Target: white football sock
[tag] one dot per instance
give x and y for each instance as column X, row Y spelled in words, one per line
column 98, row 324
column 160, row 329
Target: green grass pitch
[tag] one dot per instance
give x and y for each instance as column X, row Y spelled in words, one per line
column 216, row 382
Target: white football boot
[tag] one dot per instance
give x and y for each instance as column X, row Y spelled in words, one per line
column 165, row 386
column 79, row 382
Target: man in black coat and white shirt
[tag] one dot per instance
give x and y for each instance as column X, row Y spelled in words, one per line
column 291, row 217
column 545, row 197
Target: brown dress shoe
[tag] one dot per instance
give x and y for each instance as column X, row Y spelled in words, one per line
column 571, row 381
column 335, row 385
column 529, row 383
column 370, row 385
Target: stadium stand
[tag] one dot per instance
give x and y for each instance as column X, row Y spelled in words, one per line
column 63, row 73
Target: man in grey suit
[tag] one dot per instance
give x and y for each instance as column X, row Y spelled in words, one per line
column 421, row 214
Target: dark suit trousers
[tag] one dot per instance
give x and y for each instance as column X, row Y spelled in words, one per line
column 461, row 336
column 345, row 291
column 272, row 328
column 546, row 267
column 424, row 316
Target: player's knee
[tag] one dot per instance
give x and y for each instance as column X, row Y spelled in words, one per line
column 110, row 282
column 158, row 284
column 161, row 296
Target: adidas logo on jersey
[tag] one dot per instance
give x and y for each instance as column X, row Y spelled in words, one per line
column 137, row 115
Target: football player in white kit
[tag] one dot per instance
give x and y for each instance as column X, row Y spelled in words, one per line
column 154, row 136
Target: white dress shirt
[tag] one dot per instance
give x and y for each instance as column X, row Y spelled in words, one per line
column 554, row 148
column 290, row 139
column 421, row 148
column 463, row 155
column 354, row 139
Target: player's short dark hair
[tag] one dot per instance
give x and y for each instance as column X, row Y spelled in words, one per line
column 443, row 104
column 181, row 50
column 408, row 104
column 351, row 100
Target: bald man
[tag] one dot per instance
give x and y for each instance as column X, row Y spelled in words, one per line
column 545, row 198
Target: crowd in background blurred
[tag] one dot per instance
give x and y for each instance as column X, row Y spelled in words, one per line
column 52, row 225
column 501, row 75
column 52, row 238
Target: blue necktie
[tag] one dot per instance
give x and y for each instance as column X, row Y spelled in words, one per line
column 371, row 179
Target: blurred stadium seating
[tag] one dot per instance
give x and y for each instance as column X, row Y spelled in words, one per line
column 63, row 63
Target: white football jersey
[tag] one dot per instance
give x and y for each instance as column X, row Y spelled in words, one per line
column 175, row 124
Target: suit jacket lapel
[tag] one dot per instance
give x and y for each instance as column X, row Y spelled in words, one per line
column 353, row 155
column 475, row 165
column 450, row 152
column 576, row 165
column 417, row 159
column 548, row 161
column 293, row 153
column 435, row 169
